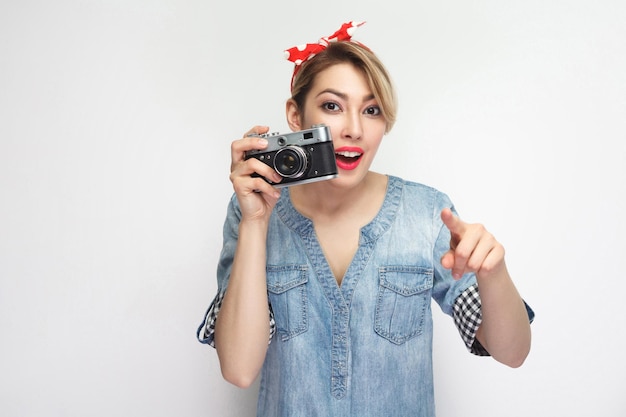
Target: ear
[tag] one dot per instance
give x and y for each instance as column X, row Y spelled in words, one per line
column 293, row 115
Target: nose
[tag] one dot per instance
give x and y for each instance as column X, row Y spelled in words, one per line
column 353, row 128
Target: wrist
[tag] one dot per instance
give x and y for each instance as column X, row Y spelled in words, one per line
column 254, row 225
column 494, row 274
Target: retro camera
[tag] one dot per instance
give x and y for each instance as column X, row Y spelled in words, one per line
column 299, row 157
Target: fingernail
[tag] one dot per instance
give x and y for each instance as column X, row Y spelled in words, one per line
column 263, row 142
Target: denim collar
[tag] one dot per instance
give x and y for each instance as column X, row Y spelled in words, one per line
column 369, row 233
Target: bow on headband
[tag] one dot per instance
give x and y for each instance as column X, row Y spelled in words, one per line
column 301, row 53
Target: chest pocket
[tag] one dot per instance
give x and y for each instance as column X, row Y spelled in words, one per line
column 286, row 285
column 403, row 300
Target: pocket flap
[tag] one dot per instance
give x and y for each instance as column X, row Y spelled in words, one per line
column 406, row 280
column 285, row 277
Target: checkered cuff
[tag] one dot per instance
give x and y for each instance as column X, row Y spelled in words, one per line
column 206, row 333
column 467, row 318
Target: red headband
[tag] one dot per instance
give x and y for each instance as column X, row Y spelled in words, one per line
column 301, row 53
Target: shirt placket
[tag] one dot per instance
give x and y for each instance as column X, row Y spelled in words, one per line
column 339, row 363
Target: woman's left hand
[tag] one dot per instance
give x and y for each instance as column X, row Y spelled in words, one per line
column 472, row 248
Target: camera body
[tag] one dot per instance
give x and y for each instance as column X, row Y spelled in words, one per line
column 299, row 157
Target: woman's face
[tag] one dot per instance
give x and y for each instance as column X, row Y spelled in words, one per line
column 341, row 99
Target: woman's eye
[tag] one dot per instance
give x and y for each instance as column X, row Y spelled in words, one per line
column 330, row 106
column 372, row 111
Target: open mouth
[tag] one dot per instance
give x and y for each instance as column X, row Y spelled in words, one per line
column 348, row 156
column 348, row 159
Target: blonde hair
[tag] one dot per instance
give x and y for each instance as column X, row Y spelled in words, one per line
column 362, row 58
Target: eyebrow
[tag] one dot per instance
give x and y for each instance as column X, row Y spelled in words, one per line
column 343, row 96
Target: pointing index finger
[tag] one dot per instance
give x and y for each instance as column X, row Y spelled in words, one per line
column 452, row 222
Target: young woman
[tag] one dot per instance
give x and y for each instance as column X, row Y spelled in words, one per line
column 348, row 266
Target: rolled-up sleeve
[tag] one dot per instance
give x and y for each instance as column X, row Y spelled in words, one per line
column 206, row 331
column 467, row 317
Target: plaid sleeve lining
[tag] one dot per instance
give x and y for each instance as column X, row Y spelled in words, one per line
column 208, row 328
column 468, row 317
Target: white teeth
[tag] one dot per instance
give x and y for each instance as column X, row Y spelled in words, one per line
column 349, row 154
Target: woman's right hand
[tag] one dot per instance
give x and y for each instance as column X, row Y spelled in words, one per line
column 257, row 197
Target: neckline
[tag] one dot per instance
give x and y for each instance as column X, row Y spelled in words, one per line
column 370, row 232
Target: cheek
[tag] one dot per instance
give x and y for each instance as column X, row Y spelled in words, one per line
column 373, row 147
column 335, row 131
column 311, row 118
column 375, row 133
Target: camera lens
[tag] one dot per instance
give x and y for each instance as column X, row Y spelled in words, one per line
column 291, row 161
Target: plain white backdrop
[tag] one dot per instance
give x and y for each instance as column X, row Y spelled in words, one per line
column 116, row 119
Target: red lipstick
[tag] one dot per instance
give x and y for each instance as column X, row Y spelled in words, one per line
column 348, row 157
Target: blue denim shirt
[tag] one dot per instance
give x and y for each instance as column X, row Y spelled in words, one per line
column 363, row 348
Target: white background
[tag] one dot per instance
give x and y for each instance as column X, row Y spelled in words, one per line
column 116, row 119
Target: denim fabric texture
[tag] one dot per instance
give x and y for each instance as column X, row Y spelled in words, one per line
column 363, row 348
